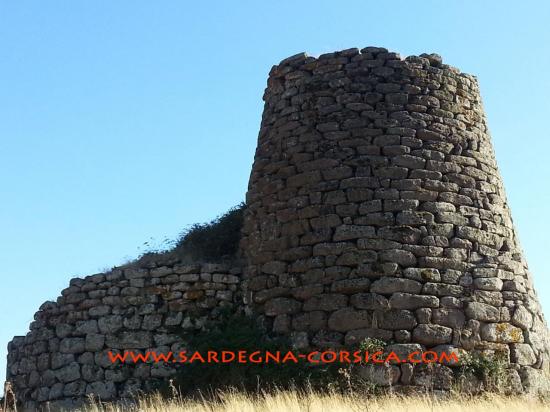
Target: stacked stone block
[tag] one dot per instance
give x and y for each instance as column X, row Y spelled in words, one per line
column 64, row 358
column 376, row 209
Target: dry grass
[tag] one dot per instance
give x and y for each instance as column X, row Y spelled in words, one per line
column 288, row 401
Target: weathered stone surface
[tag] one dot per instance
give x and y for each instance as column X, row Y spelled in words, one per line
column 347, row 319
column 300, row 340
column 99, row 311
column 522, row 318
column 381, row 375
column 232, row 279
column 281, row 306
column 431, row 335
column 94, row 342
column 267, row 294
column 488, row 283
column 104, row 391
column 349, row 232
column 389, row 285
column 85, row 327
column 327, row 302
column 74, row 389
column 110, row 324
column 409, row 301
column 351, row 285
column 399, row 256
column 63, row 330
column 422, row 274
column 522, row 354
column 72, row 345
column 483, row 312
column 92, row 373
column 133, row 322
column 354, row 337
column 441, row 289
column 404, row 350
column 452, row 318
column 394, row 319
column 371, row 301
column 152, row 322
column 533, row 380
column 433, row 376
column 307, row 291
column 68, row 373
column 58, row 360
column 135, row 273
column 501, row 333
column 309, row 321
column 137, row 340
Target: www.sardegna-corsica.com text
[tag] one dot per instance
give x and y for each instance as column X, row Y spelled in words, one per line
column 282, row 357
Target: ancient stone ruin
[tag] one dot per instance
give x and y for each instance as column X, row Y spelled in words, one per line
column 375, row 209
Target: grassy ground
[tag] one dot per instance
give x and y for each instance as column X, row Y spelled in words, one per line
column 297, row 402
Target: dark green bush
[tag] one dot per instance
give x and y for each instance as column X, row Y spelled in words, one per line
column 213, row 241
column 491, row 370
column 235, row 333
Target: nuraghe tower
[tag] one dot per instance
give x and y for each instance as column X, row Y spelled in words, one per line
column 375, row 209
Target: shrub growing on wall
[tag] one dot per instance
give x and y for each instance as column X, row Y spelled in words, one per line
column 237, row 332
column 215, row 240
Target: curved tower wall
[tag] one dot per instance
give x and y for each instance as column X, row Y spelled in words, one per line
column 376, row 209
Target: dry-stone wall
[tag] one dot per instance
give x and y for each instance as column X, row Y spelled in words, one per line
column 376, row 209
column 64, row 357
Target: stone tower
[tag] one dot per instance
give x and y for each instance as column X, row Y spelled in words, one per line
column 376, row 209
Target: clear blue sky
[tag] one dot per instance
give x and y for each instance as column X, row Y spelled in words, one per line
column 121, row 121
